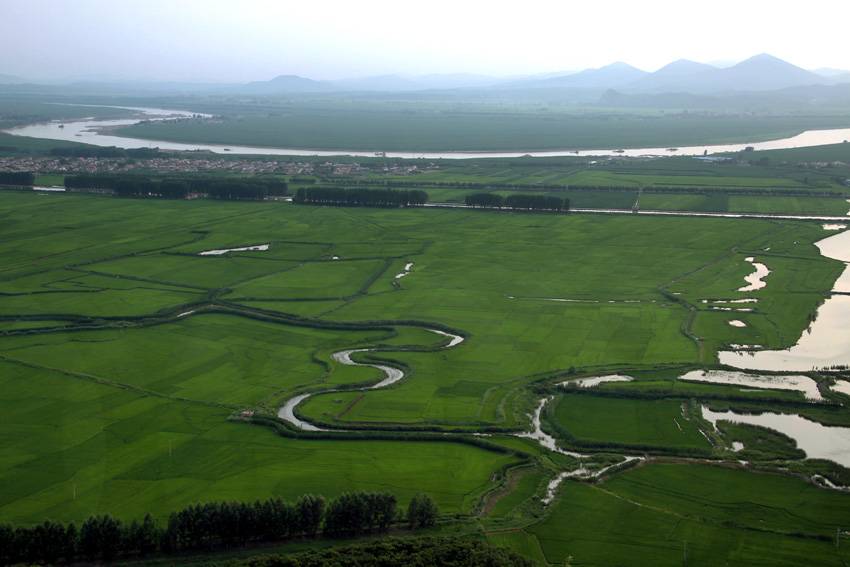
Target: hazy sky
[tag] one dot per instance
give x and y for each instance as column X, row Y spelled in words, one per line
column 245, row 40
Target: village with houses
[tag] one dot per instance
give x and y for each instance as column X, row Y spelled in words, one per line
column 53, row 165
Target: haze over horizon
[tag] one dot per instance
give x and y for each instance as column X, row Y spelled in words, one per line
column 256, row 40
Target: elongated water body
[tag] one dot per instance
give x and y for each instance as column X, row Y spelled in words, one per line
column 595, row 381
column 287, row 413
column 89, row 131
column 393, row 374
column 799, row 383
column 226, row 250
column 541, row 436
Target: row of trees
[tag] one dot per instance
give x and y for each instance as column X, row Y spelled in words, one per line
column 247, row 189
column 617, row 188
column 98, row 537
column 130, row 186
column 448, row 184
column 178, row 188
column 338, row 197
column 17, row 178
column 202, row 526
column 518, row 201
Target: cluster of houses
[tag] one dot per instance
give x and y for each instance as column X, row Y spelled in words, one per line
column 184, row 164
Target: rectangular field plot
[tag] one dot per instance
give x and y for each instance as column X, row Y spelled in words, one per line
column 73, row 229
column 513, row 337
column 332, row 279
column 726, row 495
column 524, row 489
column 520, row 541
column 208, row 272
column 717, row 203
column 598, row 528
column 378, row 250
column 776, row 204
column 142, row 300
column 53, row 280
column 631, row 422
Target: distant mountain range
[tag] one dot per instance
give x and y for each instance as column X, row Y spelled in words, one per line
column 759, row 73
column 686, row 79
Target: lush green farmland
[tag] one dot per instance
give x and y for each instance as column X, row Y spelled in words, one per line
column 659, row 423
column 606, row 526
column 119, row 344
column 521, row 542
column 113, row 444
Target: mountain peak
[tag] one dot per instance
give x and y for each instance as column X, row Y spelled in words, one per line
column 682, row 67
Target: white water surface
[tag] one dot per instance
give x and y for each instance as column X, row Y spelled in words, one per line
column 817, row 440
column 405, row 272
column 755, row 280
column 226, row 250
column 798, row 383
column 596, row 380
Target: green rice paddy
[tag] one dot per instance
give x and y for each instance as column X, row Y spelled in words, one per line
column 127, row 361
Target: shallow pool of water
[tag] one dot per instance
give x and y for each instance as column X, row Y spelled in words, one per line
column 405, row 272
column 842, row 386
column 826, row 343
column 755, row 280
column 226, row 250
column 817, row 440
column 792, row 382
column 596, row 380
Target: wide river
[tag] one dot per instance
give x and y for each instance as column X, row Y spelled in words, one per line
column 96, row 132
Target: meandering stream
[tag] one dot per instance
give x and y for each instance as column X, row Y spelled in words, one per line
column 393, row 375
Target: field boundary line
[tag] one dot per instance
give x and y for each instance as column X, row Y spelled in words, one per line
column 119, row 385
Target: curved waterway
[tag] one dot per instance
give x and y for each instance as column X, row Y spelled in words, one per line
column 393, row 375
column 97, row 132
